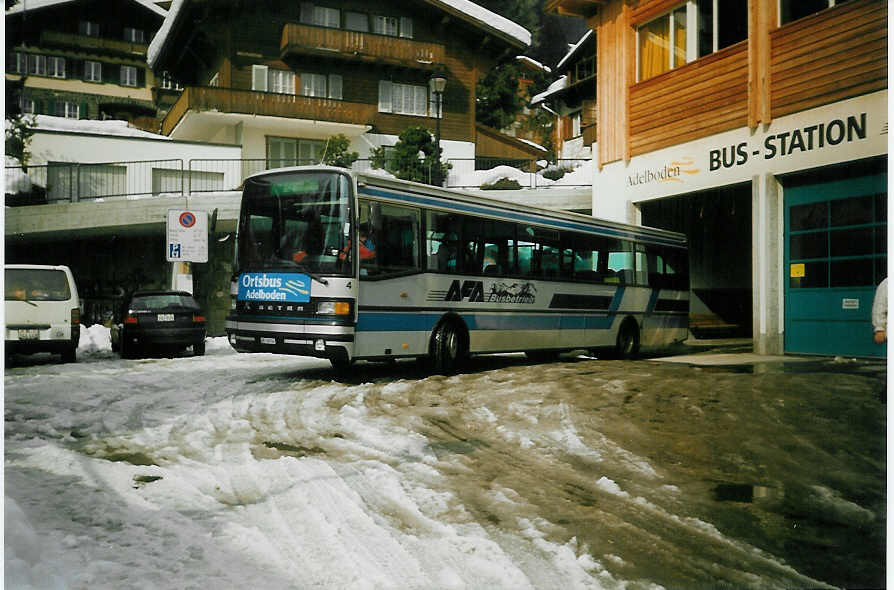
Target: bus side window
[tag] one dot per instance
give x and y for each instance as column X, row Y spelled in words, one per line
column 388, row 242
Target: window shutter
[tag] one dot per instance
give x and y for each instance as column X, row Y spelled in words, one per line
column 385, row 91
column 420, row 107
column 307, row 13
column 259, row 78
column 84, row 113
column 406, row 27
column 141, row 77
column 335, row 84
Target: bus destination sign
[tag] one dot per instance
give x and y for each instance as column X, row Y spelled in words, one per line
column 275, row 287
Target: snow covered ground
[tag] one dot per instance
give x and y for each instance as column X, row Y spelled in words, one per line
column 267, row 471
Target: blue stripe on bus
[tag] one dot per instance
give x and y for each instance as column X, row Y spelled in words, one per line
column 653, row 300
column 400, row 321
column 518, row 216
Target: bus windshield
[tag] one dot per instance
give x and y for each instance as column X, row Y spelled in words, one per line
column 296, row 221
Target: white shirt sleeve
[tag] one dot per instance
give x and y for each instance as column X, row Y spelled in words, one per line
column 880, row 308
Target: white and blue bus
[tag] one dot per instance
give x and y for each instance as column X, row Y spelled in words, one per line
column 343, row 265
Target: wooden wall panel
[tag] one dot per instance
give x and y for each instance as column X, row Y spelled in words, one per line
column 615, row 54
column 848, row 59
column 699, row 99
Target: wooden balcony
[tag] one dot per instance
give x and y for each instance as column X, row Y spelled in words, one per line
column 298, row 40
column 97, row 44
column 249, row 102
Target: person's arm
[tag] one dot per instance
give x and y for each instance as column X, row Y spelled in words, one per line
column 880, row 313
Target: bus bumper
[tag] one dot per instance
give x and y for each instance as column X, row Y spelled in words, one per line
column 329, row 341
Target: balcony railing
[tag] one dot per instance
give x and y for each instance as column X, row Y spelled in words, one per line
column 57, row 39
column 250, row 102
column 303, row 39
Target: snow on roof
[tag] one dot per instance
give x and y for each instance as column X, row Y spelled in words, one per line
column 534, row 63
column 161, row 36
column 573, row 49
column 531, row 143
column 119, row 128
column 468, row 11
column 29, row 5
column 558, row 85
column 485, row 19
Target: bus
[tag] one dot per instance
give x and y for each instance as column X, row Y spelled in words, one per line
column 344, row 265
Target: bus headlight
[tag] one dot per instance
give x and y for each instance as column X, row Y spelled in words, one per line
column 333, row 308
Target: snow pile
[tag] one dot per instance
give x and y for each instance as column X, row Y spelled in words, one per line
column 110, row 127
column 16, row 179
column 24, row 564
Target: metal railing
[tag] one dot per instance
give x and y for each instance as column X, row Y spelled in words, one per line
column 75, row 182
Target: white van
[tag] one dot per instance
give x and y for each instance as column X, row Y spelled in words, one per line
column 43, row 312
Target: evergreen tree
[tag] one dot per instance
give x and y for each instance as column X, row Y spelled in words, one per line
column 498, row 100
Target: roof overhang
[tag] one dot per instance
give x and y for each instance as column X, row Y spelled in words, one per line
column 579, row 8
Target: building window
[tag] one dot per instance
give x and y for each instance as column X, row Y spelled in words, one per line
column 26, row 105
column 214, row 82
column 128, row 76
column 575, row 124
column 88, row 28
column 321, row 85
column 585, row 68
column 37, row 65
column 92, row 71
column 386, row 25
column 791, row 10
column 68, row 109
column 17, row 63
column 695, row 29
column 134, row 35
column 56, row 67
column 356, row 21
column 282, row 81
column 403, row 99
column 406, row 27
column 287, row 151
column 721, row 23
column 320, row 16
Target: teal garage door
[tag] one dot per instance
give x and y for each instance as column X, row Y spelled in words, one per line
column 835, row 254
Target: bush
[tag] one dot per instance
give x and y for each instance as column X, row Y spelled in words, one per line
column 404, row 161
column 555, row 173
column 337, row 153
column 504, row 184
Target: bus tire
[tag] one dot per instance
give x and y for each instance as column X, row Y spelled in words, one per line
column 627, row 344
column 447, row 348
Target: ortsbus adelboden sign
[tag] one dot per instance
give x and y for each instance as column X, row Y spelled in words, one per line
column 844, row 131
column 187, row 236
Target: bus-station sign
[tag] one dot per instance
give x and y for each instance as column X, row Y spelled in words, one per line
column 187, row 236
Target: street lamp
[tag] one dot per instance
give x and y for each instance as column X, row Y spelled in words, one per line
column 436, row 85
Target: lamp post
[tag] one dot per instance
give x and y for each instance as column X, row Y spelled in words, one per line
column 436, row 85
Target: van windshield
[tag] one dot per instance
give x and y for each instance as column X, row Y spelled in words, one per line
column 34, row 284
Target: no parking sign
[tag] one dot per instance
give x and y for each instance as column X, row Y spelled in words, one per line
column 187, row 236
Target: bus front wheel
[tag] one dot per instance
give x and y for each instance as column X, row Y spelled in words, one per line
column 627, row 344
column 447, row 351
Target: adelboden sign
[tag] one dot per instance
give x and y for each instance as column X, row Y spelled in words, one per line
column 844, row 131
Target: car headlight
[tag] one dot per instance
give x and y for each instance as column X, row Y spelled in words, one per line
column 333, row 308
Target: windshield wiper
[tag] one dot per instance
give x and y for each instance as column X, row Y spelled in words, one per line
column 301, row 267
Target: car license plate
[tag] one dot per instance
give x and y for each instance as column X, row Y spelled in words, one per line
column 29, row 334
column 268, row 340
column 166, row 317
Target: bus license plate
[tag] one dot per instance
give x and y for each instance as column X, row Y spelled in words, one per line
column 29, row 334
column 265, row 340
column 166, row 317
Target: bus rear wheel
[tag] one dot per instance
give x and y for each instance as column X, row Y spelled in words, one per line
column 627, row 344
column 447, row 350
